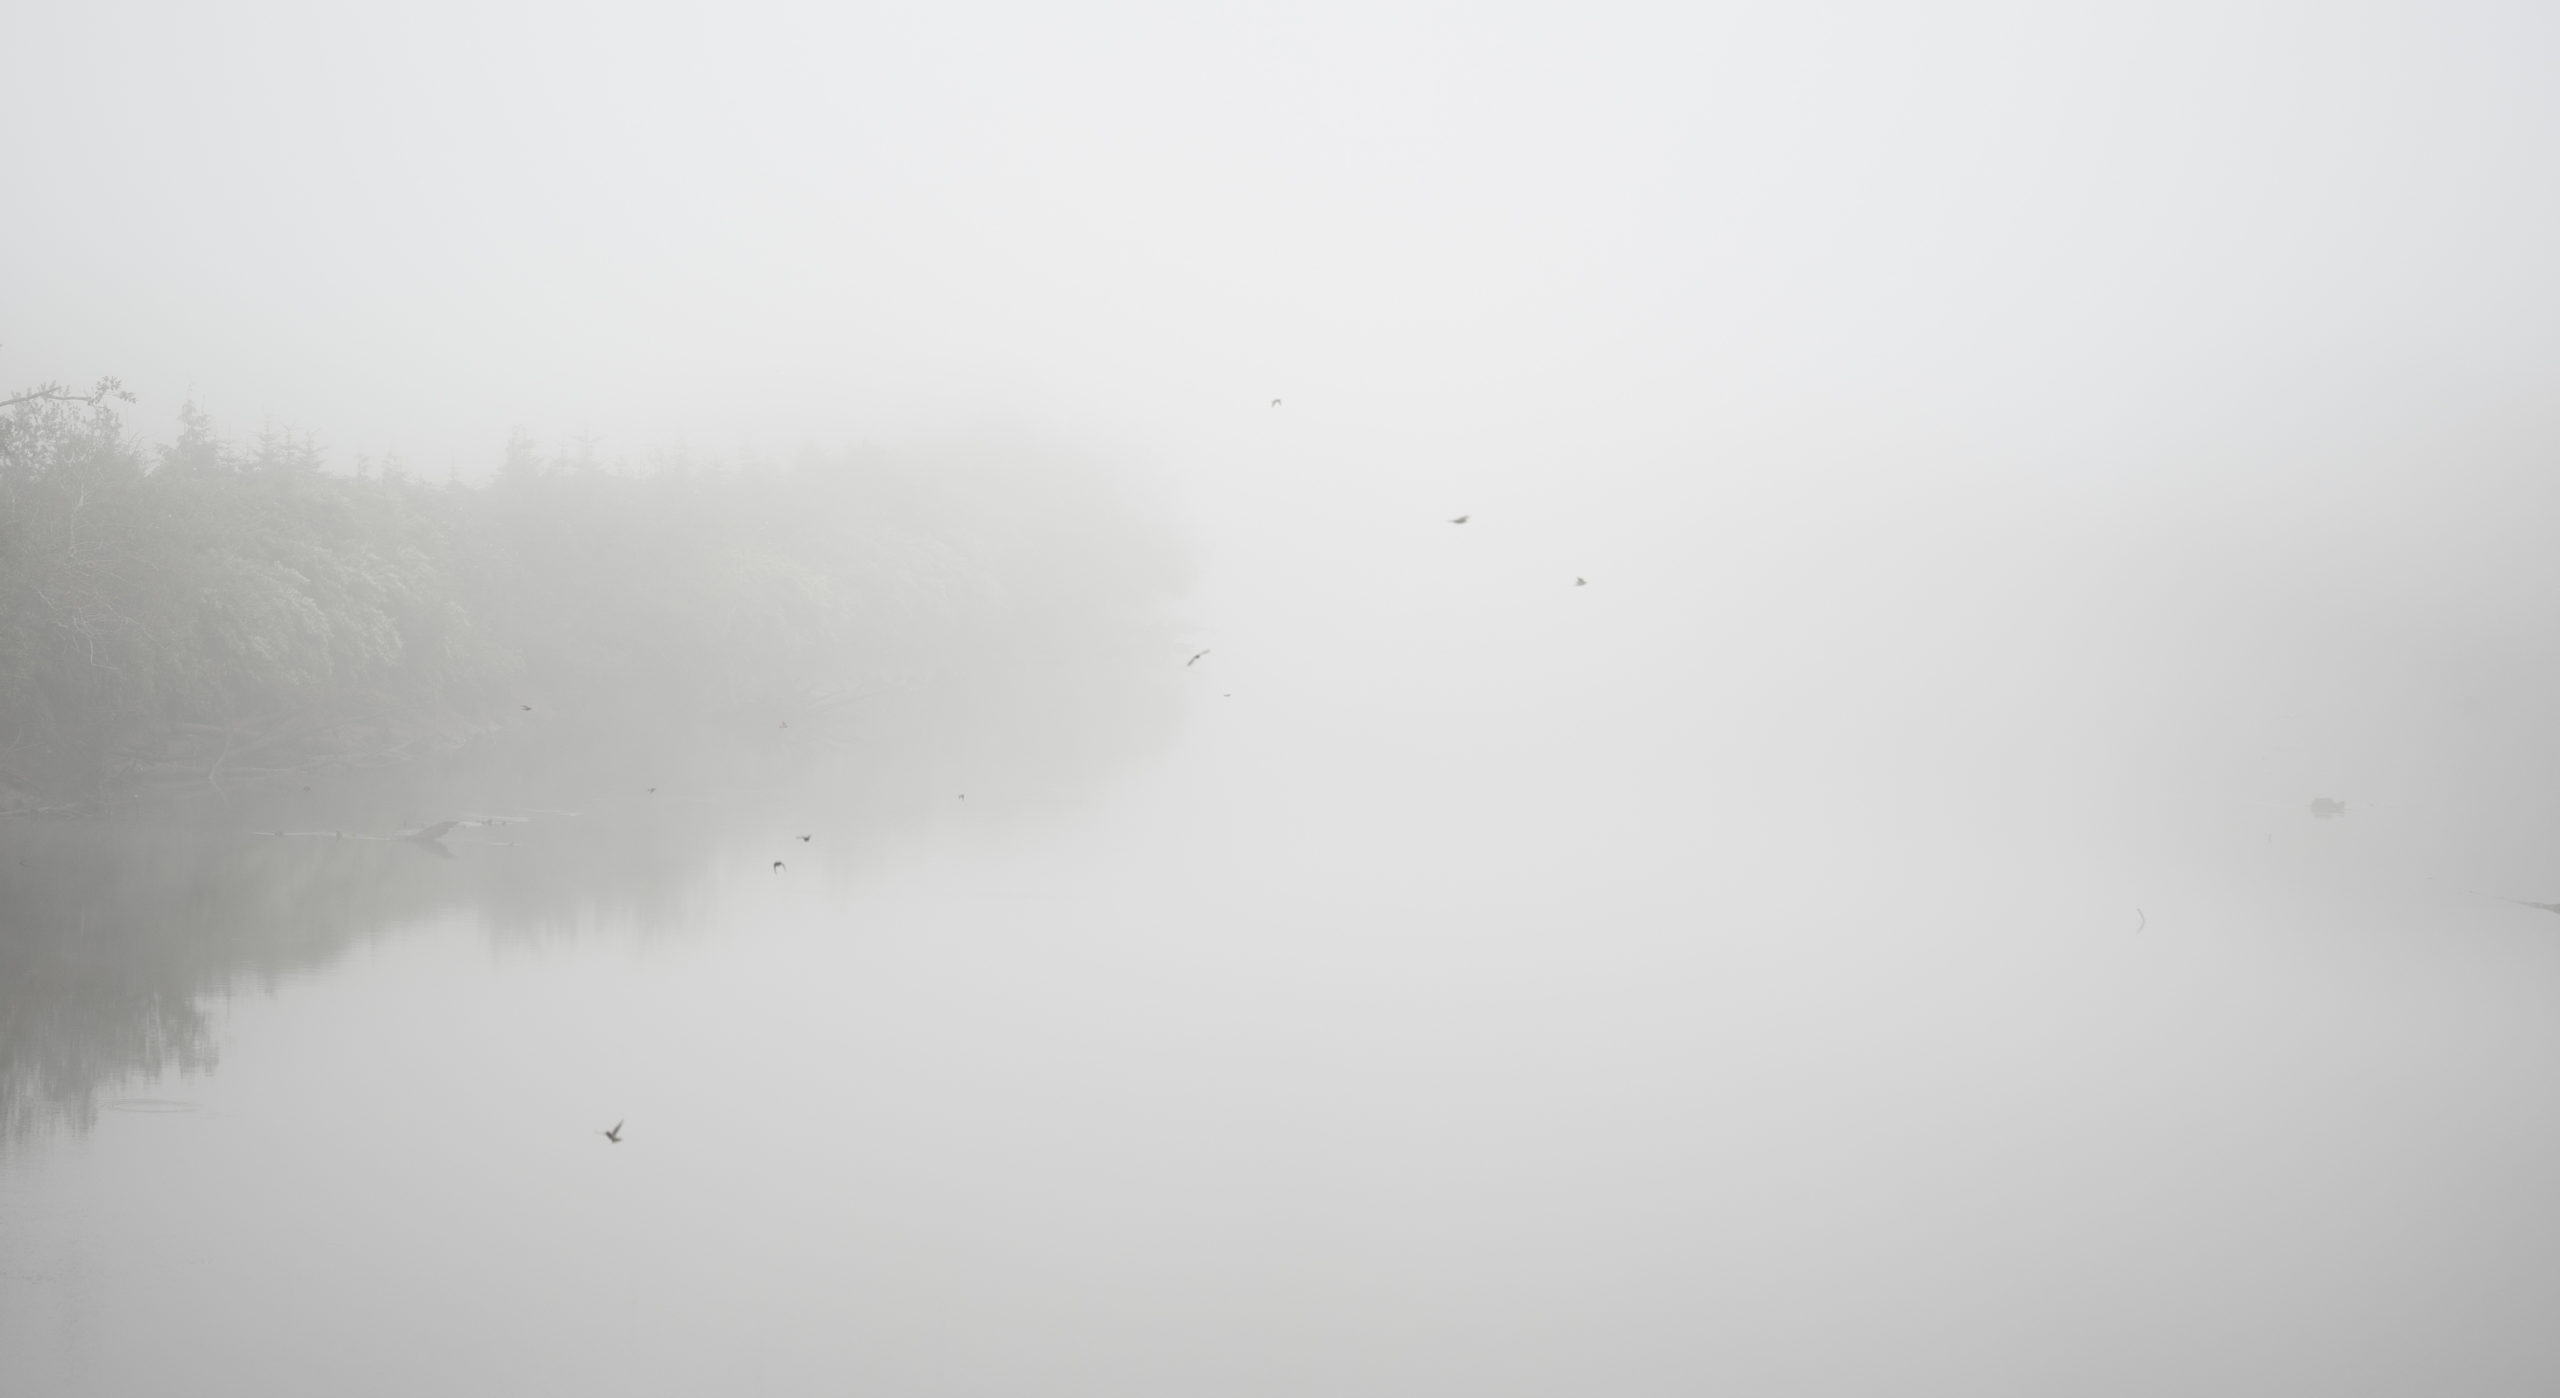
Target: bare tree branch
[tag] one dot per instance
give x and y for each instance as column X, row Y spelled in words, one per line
column 56, row 393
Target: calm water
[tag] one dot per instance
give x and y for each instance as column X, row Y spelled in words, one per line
column 1368, row 1009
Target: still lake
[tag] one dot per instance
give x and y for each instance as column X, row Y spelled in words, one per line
column 1478, row 1022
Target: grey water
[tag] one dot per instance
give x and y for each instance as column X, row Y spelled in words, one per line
column 1479, row 984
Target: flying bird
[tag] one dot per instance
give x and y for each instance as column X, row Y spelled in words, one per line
column 2324, row 808
column 614, row 1135
column 1193, row 660
column 528, row 708
column 777, row 866
column 2546, row 907
column 804, row 839
column 1578, row 582
column 1275, row 402
column 2145, row 922
column 436, row 831
column 1459, row 520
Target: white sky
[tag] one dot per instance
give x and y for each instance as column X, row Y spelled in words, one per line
column 2062, row 229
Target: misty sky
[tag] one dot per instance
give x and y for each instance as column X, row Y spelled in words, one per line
column 2092, row 236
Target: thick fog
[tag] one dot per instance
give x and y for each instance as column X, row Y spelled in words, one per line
column 1281, row 698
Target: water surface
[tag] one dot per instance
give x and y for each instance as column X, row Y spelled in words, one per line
column 1544, row 1011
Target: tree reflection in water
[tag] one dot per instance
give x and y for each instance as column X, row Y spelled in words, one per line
column 115, row 930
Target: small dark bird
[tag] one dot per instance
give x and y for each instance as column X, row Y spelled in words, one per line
column 1578, row 582
column 1193, row 660
column 786, row 723
column 2324, row 808
column 653, row 791
column 1275, row 402
column 964, row 796
column 1459, row 520
column 2145, row 922
column 804, row 839
column 528, row 708
column 777, row 866
column 614, row 1135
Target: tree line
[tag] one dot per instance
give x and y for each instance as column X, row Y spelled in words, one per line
column 202, row 613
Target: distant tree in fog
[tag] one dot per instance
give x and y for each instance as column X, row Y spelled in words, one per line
column 200, row 612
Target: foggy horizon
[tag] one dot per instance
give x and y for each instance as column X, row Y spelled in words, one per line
column 1280, row 698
